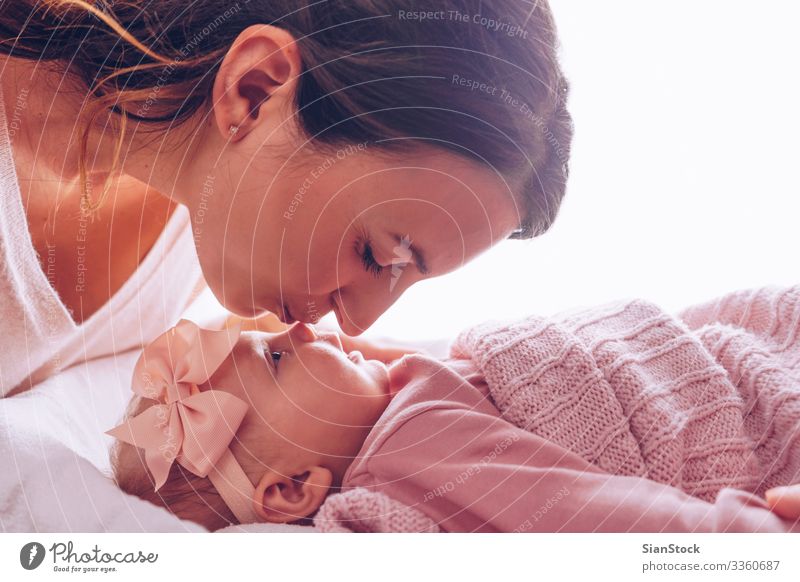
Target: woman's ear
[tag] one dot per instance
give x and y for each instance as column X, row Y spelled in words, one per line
column 256, row 78
column 283, row 499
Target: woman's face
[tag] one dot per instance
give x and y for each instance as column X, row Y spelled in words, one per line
column 306, row 395
column 304, row 232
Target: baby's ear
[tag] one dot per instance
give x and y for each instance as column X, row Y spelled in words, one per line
column 283, row 499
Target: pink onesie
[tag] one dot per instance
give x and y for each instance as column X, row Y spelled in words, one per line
column 443, row 450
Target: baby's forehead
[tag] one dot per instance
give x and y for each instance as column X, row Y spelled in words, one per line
column 244, row 367
column 251, row 344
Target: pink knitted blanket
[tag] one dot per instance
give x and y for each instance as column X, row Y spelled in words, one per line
column 705, row 399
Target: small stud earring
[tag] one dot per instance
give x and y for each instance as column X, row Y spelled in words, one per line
column 233, row 130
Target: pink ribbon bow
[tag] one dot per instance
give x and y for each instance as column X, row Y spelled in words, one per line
column 191, row 427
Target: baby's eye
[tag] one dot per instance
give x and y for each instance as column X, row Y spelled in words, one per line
column 272, row 357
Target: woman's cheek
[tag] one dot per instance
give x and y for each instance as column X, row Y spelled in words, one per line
column 327, row 272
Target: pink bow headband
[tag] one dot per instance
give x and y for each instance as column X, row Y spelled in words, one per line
column 186, row 425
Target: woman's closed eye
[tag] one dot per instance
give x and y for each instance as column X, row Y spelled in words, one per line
column 363, row 248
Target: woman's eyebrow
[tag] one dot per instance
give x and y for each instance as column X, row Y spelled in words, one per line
column 416, row 254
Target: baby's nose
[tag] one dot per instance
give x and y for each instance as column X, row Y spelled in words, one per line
column 303, row 333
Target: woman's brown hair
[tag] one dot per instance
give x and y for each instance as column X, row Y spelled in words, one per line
column 477, row 78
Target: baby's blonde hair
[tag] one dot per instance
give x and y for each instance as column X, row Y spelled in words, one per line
column 185, row 494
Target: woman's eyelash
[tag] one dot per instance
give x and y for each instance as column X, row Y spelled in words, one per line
column 364, row 250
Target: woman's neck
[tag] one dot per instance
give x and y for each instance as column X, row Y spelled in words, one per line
column 49, row 128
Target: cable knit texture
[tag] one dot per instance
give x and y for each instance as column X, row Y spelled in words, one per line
column 361, row 511
column 704, row 400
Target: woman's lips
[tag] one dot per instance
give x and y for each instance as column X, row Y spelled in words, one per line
column 286, row 315
column 289, row 316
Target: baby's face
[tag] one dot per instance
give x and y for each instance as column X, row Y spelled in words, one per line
column 305, row 393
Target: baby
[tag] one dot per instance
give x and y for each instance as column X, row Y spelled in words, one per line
column 618, row 418
column 261, row 426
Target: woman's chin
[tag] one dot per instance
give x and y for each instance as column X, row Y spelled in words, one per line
column 242, row 307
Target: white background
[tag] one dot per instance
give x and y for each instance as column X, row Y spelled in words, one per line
column 684, row 179
column 684, row 186
column 410, row 557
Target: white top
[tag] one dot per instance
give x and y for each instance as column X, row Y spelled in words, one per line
column 39, row 336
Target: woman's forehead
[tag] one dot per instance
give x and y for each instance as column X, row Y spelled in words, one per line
column 464, row 194
column 442, row 232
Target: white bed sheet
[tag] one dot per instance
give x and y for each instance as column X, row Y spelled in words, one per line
column 56, row 474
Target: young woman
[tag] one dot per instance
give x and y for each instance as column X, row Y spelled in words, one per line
column 314, row 156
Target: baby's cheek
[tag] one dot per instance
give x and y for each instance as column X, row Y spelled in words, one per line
column 356, row 418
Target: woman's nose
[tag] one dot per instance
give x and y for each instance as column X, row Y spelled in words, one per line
column 357, row 310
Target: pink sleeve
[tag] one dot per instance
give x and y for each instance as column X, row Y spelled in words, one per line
column 471, row 471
